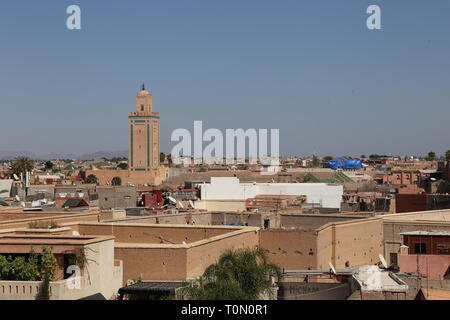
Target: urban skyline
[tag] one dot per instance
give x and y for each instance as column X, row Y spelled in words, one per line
column 315, row 71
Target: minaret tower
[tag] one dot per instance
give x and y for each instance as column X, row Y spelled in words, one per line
column 143, row 124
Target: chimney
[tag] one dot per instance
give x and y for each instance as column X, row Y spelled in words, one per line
column 404, row 250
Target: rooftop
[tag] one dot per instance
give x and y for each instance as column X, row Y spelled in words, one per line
column 150, row 287
column 435, row 294
column 372, row 278
column 16, row 243
column 426, row 233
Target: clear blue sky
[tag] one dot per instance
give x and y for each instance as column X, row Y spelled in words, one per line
column 310, row 68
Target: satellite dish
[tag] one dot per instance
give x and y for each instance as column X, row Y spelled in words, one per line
column 332, row 267
column 172, row 200
column 22, row 204
column 15, row 177
column 383, row 261
column 191, row 203
column 75, row 233
column 181, row 205
column 17, row 198
column 184, row 242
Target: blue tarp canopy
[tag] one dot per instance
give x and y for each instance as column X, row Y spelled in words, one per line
column 342, row 163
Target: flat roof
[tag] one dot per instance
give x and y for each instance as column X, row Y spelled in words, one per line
column 372, row 278
column 229, row 231
column 426, row 233
column 9, row 240
column 350, row 271
column 436, row 294
column 150, row 287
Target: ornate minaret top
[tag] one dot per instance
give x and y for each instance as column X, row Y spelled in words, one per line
column 143, row 101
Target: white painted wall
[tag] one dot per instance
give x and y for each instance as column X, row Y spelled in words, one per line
column 5, row 184
column 220, row 205
column 229, row 188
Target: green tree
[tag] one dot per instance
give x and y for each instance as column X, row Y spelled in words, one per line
column 431, row 156
column 377, row 156
column 116, row 181
column 243, row 274
column 443, row 186
column 123, row 166
column 48, row 165
column 314, row 162
column 447, row 155
column 48, row 267
column 162, row 157
column 48, row 264
column 91, row 179
column 22, row 165
column 32, row 267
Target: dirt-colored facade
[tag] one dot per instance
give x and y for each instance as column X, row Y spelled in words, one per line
column 395, row 224
column 175, row 252
column 344, row 244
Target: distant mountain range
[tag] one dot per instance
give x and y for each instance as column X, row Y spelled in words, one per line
column 10, row 155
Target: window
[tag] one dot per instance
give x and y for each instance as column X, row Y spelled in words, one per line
column 442, row 248
column 142, row 107
column 420, row 248
column 393, row 257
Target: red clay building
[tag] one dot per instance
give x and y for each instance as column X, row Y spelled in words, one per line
column 426, row 253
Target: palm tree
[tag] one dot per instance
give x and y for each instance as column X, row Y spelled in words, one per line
column 447, row 155
column 314, row 161
column 431, row 156
column 22, row 165
column 243, row 274
column 48, row 165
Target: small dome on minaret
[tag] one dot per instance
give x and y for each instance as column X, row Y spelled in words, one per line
column 143, row 92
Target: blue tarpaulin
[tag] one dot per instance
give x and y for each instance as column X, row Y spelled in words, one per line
column 342, row 163
column 235, row 224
